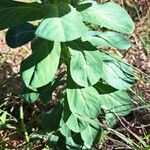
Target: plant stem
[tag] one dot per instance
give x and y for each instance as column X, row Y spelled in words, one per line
column 22, row 123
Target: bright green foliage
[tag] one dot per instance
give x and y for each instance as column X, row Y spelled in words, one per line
column 95, row 80
column 34, row 70
column 116, row 73
column 82, row 101
column 115, row 104
column 108, row 15
column 107, row 39
column 85, row 67
column 60, row 27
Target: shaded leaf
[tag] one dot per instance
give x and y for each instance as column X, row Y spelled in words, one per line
column 39, row 68
column 30, row 95
column 14, row 13
column 74, row 142
column 51, row 119
column 104, row 88
column 52, row 140
column 20, row 35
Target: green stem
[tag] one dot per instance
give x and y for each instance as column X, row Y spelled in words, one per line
column 22, row 123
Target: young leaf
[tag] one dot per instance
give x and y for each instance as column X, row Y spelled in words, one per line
column 84, row 102
column 20, row 35
column 85, row 67
column 107, row 39
column 108, row 15
column 62, row 27
column 39, row 68
column 117, row 103
column 116, row 73
column 14, row 13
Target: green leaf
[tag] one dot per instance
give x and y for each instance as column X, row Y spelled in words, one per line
column 107, row 39
column 15, row 13
column 44, row 94
column 20, row 35
column 75, row 142
column 118, row 103
column 30, row 95
column 62, row 27
column 65, row 131
column 108, row 15
column 91, row 134
column 116, row 73
column 38, row 134
column 39, row 68
column 104, row 88
column 111, row 119
column 52, row 140
column 47, row 90
column 84, row 102
column 75, row 124
column 3, row 118
column 85, row 67
column 51, row 119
